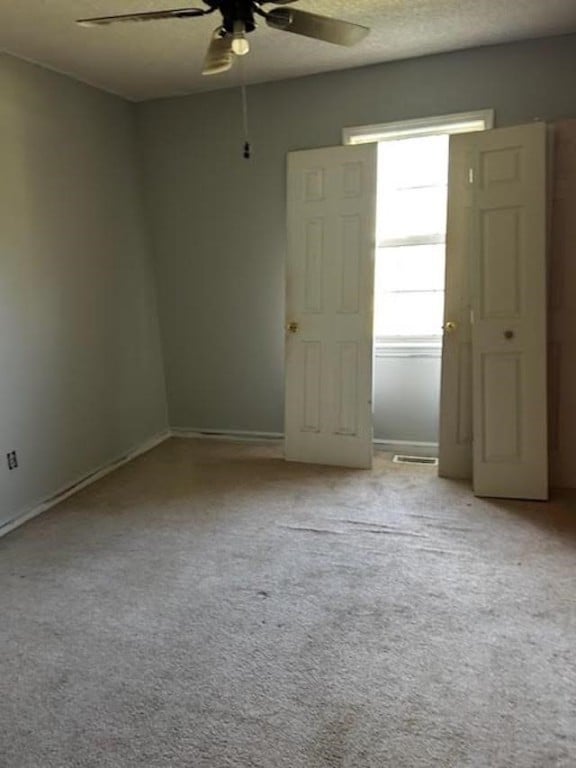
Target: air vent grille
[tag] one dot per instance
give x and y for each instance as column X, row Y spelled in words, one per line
column 428, row 460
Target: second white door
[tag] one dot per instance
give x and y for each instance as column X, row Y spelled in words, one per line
column 494, row 399
column 329, row 305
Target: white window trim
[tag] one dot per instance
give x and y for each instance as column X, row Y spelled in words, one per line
column 459, row 122
column 411, row 240
column 412, row 346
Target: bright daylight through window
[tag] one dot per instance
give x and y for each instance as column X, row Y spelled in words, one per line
column 412, row 211
column 412, row 199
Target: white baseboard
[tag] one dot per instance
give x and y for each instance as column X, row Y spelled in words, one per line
column 393, row 446
column 407, row 447
column 83, row 482
column 227, row 434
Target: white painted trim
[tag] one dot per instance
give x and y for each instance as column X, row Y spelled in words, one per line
column 382, row 350
column 83, row 482
column 410, row 240
column 395, row 446
column 406, row 447
column 226, row 434
column 423, row 126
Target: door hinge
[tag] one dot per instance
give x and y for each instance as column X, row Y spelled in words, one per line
column 470, row 176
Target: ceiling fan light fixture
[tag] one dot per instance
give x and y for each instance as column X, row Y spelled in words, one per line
column 240, row 44
column 239, row 20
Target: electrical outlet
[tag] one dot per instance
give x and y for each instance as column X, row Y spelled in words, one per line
column 12, row 459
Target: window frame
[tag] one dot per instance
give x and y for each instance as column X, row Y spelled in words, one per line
column 460, row 122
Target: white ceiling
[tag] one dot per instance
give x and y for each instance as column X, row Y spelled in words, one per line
column 157, row 59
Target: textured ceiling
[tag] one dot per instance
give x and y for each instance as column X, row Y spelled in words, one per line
column 164, row 58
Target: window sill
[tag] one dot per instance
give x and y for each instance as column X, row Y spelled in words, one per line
column 409, row 347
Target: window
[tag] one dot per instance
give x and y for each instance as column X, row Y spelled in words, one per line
column 412, row 200
column 411, row 221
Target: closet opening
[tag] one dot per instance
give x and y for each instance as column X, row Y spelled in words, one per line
column 412, row 174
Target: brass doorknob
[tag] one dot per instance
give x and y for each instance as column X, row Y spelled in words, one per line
column 449, row 327
column 292, row 327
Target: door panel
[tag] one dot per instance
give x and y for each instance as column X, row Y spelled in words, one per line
column 509, row 313
column 501, row 381
column 493, row 402
column 330, row 284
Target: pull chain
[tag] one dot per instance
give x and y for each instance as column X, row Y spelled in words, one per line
column 247, row 145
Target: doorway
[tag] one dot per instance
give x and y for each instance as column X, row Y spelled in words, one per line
column 412, row 180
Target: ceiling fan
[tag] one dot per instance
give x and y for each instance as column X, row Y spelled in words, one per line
column 239, row 18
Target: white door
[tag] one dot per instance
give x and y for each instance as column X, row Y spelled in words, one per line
column 329, row 305
column 499, row 216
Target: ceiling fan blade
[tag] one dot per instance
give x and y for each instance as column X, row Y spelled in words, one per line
column 319, row 27
column 178, row 13
column 219, row 56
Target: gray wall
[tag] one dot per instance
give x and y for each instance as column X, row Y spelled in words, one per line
column 219, row 221
column 81, row 378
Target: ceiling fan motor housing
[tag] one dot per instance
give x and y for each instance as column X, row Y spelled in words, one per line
column 233, row 11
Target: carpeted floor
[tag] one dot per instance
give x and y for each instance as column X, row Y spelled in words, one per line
column 210, row 606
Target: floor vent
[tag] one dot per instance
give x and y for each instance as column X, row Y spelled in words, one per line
column 430, row 460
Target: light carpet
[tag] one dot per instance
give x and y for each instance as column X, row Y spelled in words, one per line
column 211, row 606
